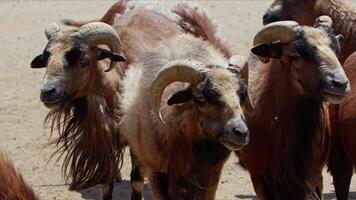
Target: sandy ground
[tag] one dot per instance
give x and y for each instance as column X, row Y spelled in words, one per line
column 22, row 134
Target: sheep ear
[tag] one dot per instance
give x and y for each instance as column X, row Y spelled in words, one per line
column 268, row 50
column 38, row 62
column 180, row 96
column 103, row 53
column 339, row 37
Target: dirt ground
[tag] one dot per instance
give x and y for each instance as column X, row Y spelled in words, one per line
column 22, row 134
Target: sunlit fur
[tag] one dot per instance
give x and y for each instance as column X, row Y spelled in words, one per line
column 86, row 123
column 12, row 184
column 181, row 159
column 306, row 11
column 197, row 22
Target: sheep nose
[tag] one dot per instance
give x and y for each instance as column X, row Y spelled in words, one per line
column 340, row 82
column 50, row 91
column 47, row 92
column 269, row 17
column 240, row 132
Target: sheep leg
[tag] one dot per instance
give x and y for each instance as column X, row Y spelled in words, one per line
column 107, row 190
column 341, row 169
column 137, row 180
column 158, row 184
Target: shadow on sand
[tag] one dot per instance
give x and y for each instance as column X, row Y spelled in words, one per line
column 327, row 196
column 122, row 191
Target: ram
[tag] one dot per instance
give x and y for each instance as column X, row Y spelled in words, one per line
column 81, row 88
column 342, row 158
column 289, row 126
column 276, row 110
column 181, row 115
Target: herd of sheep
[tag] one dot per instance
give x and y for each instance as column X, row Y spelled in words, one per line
column 182, row 100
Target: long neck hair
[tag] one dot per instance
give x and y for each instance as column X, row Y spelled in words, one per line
column 194, row 161
column 88, row 136
column 293, row 126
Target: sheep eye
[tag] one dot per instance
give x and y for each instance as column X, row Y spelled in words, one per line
column 72, row 56
column 212, row 96
column 294, row 58
column 84, row 62
column 200, row 99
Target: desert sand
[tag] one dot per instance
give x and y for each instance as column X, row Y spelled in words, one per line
column 22, row 134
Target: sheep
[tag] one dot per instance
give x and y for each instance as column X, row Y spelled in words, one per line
column 193, row 18
column 182, row 143
column 342, row 160
column 298, row 74
column 82, row 92
column 306, row 11
column 12, row 184
column 339, row 163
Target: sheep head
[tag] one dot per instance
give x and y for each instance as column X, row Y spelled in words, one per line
column 309, row 54
column 302, row 11
column 70, row 59
column 215, row 92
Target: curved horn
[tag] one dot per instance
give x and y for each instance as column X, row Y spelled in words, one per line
column 190, row 71
column 97, row 33
column 51, row 30
column 323, row 22
column 282, row 31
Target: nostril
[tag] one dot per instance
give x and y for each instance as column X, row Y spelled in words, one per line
column 337, row 83
column 48, row 91
column 239, row 133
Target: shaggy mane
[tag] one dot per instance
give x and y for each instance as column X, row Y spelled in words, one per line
column 88, row 140
column 297, row 137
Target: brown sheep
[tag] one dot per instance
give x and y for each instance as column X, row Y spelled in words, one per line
column 289, row 124
column 306, row 11
column 82, row 92
column 202, row 121
column 12, row 184
column 342, row 159
column 344, row 16
column 193, row 18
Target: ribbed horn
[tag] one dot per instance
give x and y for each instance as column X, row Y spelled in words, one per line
column 51, row 30
column 283, row 31
column 190, row 71
column 97, row 33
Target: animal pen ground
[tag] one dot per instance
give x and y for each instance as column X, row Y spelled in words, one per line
column 22, row 134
